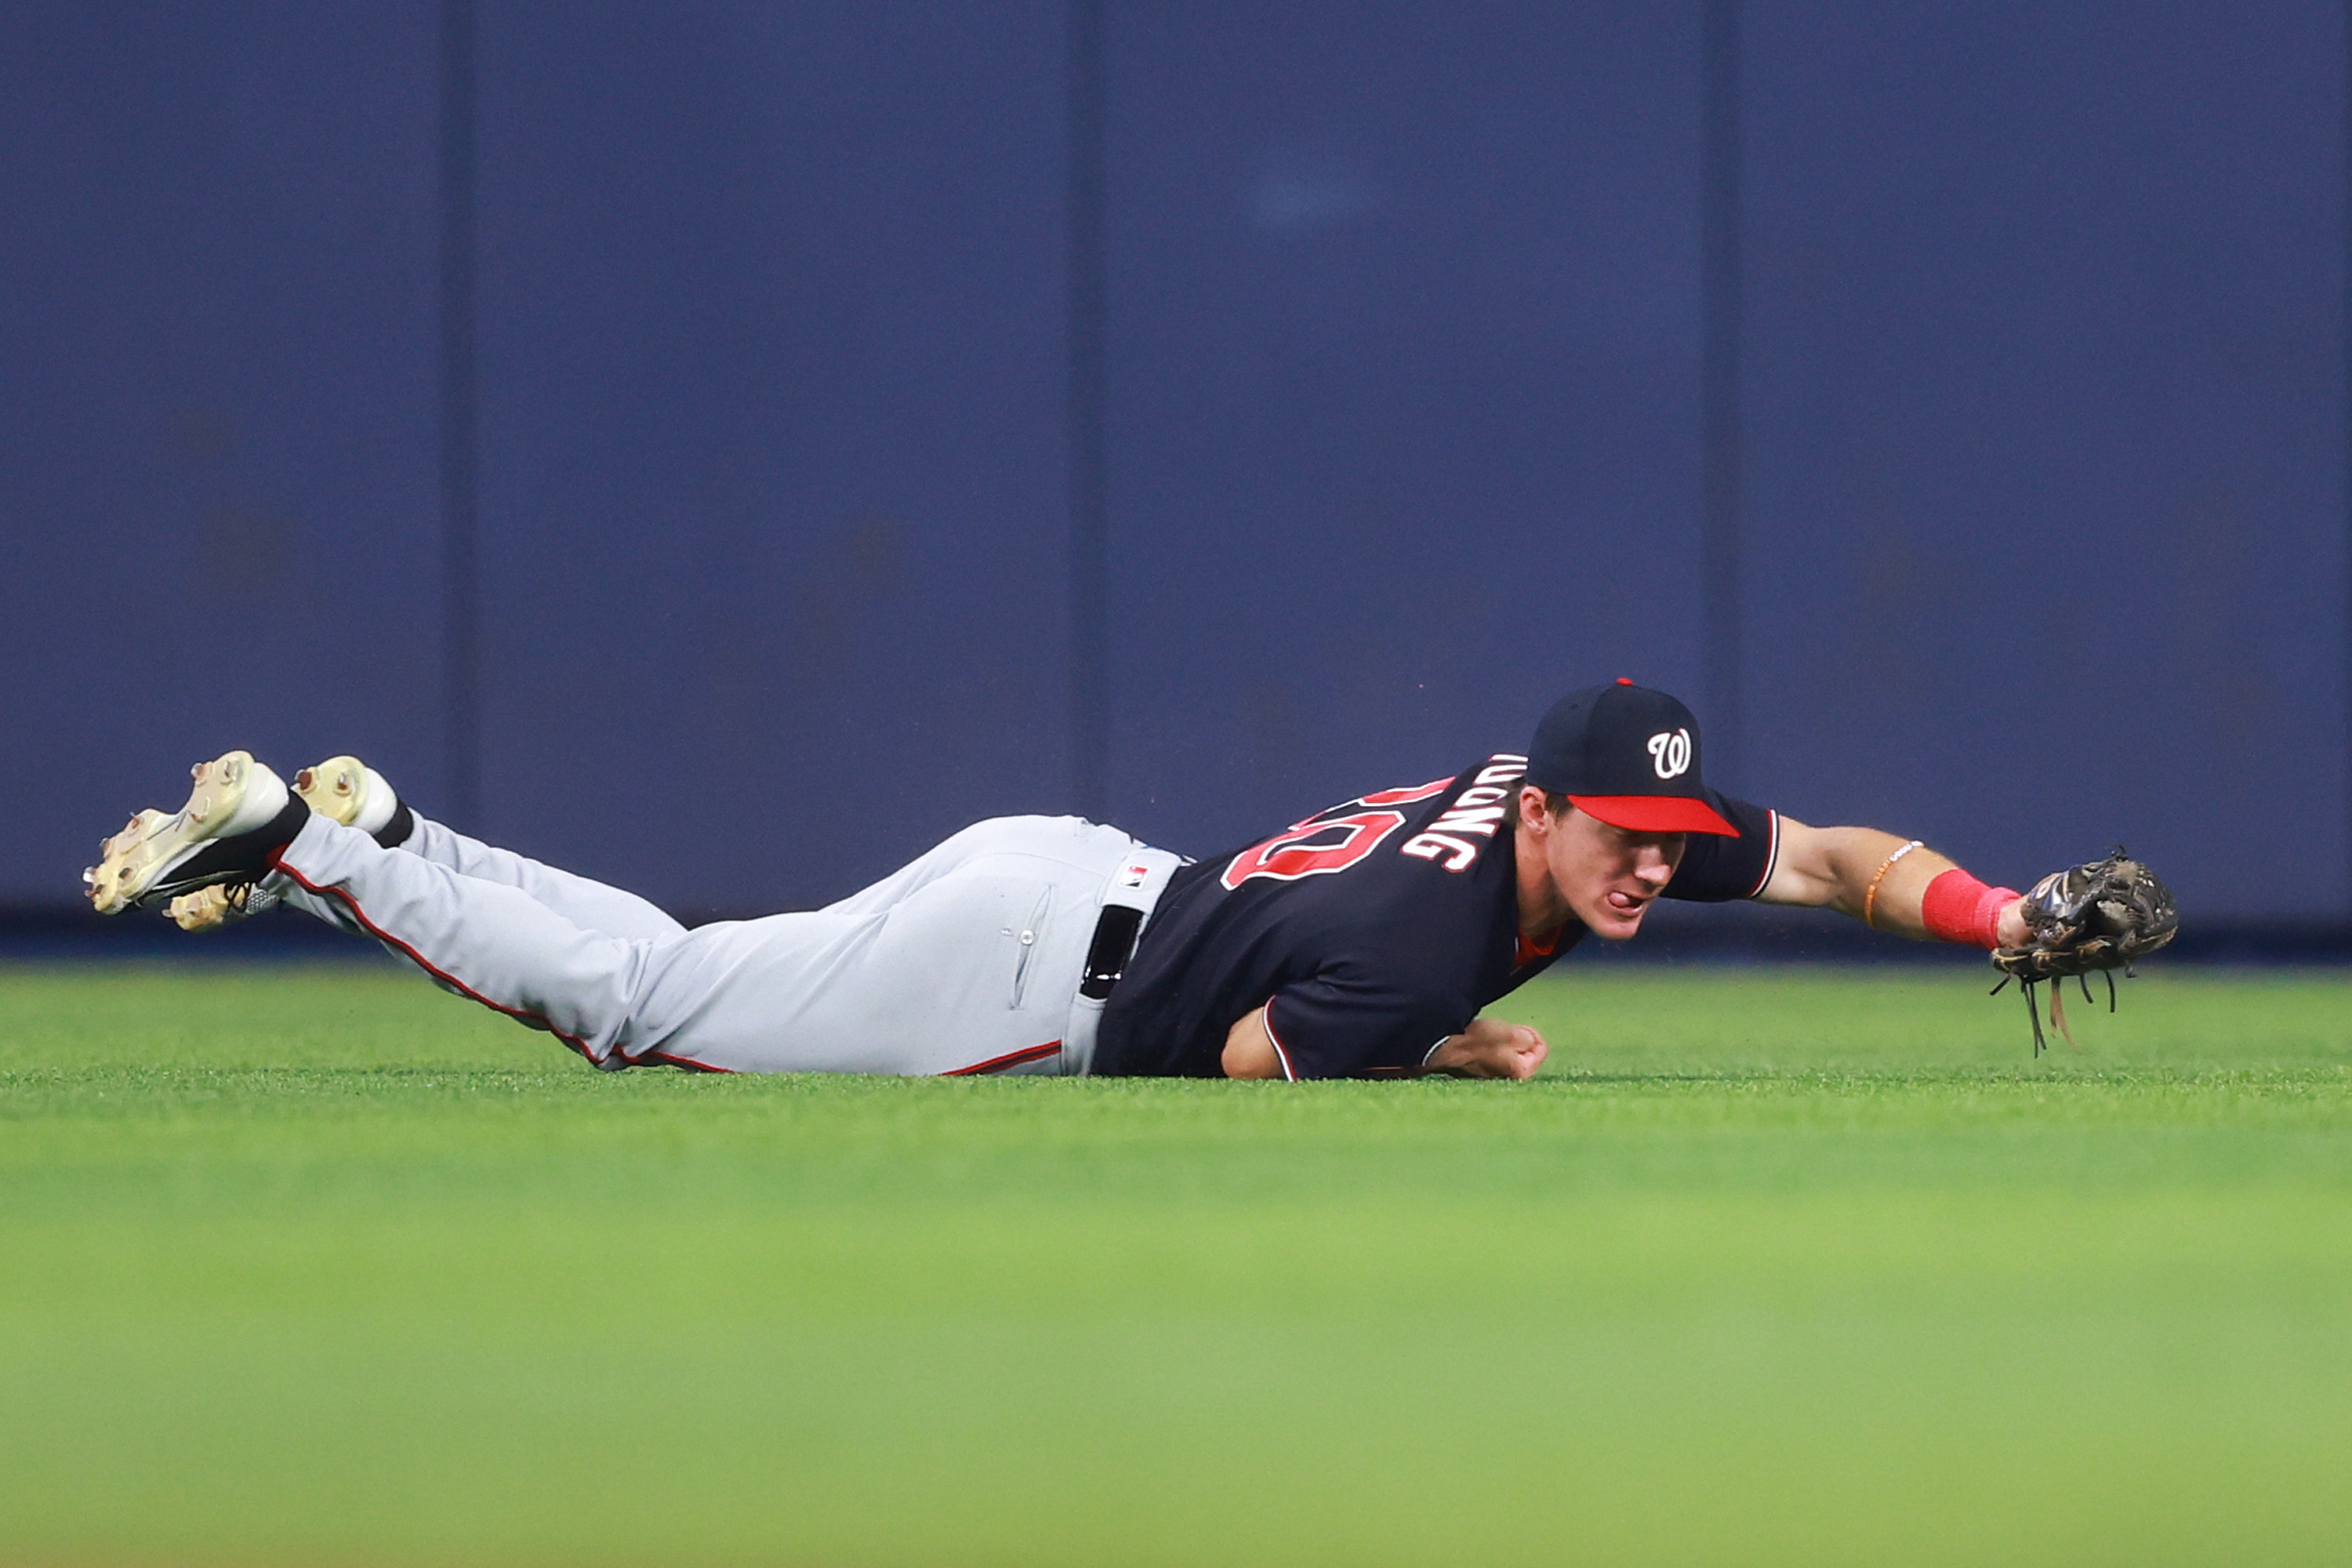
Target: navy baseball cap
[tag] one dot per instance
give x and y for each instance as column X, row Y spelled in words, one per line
column 1628, row 756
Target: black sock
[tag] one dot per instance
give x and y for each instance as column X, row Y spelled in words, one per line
column 248, row 856
column 279, row 830
column 394, row 833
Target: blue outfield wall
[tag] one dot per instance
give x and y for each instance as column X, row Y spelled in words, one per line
column 773, row 438
column 1404, row 349
column 2043, row 418
column 218, row 459
column 2044, row 397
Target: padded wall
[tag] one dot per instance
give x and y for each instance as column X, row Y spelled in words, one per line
column 2042, row 364
column 218, row 464
column 773, row 500
column 1405, row 351
column 2044, row 398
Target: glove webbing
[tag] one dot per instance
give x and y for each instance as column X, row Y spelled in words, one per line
column 2057, row 1001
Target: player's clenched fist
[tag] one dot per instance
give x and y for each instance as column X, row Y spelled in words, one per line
column 1491, row 1048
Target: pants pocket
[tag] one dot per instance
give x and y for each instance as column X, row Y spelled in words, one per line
column 1029, row 934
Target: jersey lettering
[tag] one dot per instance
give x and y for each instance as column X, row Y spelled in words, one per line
column 1459, row 852
column 1473, row 812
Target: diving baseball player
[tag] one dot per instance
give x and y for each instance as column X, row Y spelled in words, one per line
column 1366, row 940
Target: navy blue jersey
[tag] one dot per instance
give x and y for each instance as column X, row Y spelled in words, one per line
column 1375, row 930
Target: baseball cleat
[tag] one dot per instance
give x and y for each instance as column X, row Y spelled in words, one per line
column 340, row 789
column 221, row 904
column 237, row 818
column 346, row 790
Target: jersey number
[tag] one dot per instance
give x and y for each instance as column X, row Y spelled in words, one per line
column 1309, row 850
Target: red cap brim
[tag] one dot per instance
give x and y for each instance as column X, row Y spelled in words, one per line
column 1653, row 814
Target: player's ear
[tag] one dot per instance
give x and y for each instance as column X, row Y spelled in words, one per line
column 1534, row 810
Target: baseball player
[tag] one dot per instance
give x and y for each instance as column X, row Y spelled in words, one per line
column 1366, row 940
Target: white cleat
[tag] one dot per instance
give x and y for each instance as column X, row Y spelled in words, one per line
column 142, row 826
column 156, row 855
column 346, row 790
column 340, row 789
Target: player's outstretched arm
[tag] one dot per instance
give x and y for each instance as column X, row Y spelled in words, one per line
column 1884, row 880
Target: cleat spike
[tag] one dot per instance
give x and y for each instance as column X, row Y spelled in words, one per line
column 338, row 789
column 150, row 860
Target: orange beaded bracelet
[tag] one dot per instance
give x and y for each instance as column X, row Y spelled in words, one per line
column 1870, row 897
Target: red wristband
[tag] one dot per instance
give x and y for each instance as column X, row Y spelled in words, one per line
column 1958, row 908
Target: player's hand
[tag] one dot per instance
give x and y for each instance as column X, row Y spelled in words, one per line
column 1490, row 1048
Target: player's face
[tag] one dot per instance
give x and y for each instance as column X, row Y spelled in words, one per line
column 1607, row 876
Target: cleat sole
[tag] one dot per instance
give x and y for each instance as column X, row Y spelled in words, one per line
column 337, row 789
column 153, row 844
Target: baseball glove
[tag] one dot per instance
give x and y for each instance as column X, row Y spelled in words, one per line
column 2106, row 915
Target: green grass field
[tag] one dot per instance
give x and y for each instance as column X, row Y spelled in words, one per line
column 319, row 1265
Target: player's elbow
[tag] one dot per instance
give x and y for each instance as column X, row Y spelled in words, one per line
column 1249, row 1050
column 1807, row 871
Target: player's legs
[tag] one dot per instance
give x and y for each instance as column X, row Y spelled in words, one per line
column 479, row 939
column 347, row 791
column 968, row 959
column 583, row 900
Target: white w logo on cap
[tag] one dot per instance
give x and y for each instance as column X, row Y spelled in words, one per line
column 1670, row 752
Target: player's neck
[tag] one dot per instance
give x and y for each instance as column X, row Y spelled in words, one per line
column 1542, row 909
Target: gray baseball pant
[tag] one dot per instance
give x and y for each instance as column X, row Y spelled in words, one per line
column 967, row 960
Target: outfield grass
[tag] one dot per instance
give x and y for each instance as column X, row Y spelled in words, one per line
column 319, row 1265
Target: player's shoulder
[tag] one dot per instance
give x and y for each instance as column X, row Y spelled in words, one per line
column 1450, row 823
column 1467, row 814
column 1715, row 868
